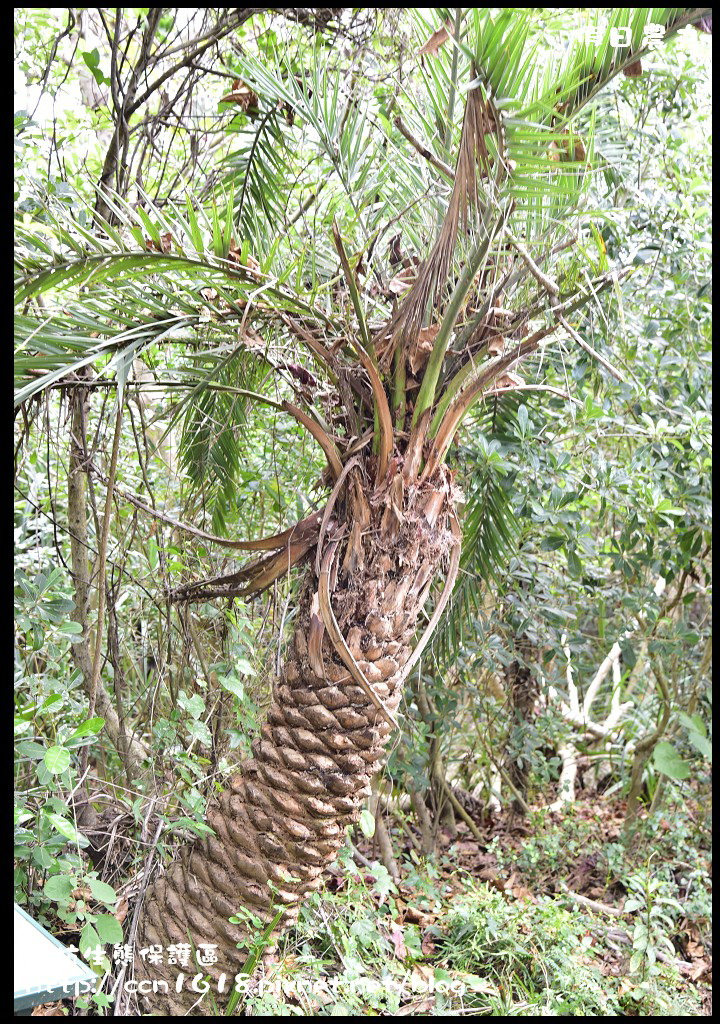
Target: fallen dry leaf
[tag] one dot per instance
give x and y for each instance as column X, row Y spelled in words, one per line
column 420, row 352
column 702, row 968
column 466, row 847
column 121, row 910
column 521, row 892
column 419, row 917
column 416, row 1008
column 242, row 95
column 421, row 974
column 436, row 40
column 398, row 941
column 402, row 281
column 488, row 874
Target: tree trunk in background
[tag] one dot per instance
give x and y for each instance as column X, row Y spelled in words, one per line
column 131, row 750
column 282, row 818
column 523, row 690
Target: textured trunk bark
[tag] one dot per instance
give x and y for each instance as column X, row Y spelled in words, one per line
column 282, row 819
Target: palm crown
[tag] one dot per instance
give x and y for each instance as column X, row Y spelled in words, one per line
column 380, row 355
column 405, row 348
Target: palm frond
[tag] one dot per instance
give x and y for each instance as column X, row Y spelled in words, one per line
column 323, row 118
column 163, row 276
column 259, row 171
column 490, row 528
column 215, row 426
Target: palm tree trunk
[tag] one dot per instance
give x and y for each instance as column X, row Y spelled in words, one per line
column 282, row 819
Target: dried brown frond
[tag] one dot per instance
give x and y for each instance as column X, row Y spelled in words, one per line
column 474, row 162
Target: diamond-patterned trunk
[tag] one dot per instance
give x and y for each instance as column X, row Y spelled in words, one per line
column 282, row 818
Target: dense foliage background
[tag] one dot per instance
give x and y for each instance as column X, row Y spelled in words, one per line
column 539, row 841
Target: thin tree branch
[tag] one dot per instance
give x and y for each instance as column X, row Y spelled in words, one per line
column 102, row 557
column 423, row 150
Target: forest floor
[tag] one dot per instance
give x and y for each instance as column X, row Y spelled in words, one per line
column 557, row 914
column 552, row 914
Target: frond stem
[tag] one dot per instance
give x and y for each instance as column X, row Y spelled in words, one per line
column 467, row 397
column 433, row 369
column 322, row 438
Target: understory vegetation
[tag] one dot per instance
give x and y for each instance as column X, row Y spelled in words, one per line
column 223, row 217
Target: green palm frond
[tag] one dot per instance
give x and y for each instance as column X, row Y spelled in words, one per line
column 259, row 171
column 107, row 295
column 325, row 118
column 490, row 527
column 86, row 298
column 540, row 87
column 216, row 427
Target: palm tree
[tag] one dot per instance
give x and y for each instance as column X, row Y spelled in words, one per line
column 382, row 390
